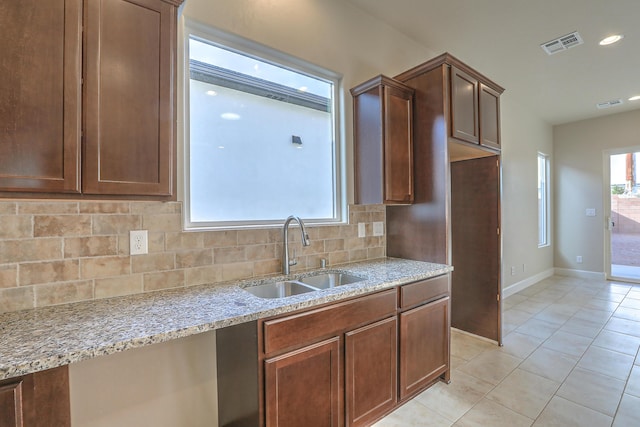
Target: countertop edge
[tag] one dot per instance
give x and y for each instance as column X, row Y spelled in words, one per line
column 52, row 351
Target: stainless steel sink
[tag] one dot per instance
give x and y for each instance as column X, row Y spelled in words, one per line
column 279, row 289
column 302, row 285
column 330, row 280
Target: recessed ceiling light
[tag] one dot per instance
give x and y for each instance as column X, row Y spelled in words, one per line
column 303, row 88
column 212, row 93
column 634, row 98
column 611, row 39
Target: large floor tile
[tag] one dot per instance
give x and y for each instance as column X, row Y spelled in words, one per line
column 623, row 326
column 520, row 345
column 564, row 342
column 532, row 306
column 488, row 413
column 524, row 392
column 600, row 304
column 564, row 413
column 453, row 400
column 593, row 390
column 623, row 343
column 513, row 300
column 628, row 313
column 537, row 328
column 515, row 316
column 610, row 296
column 491, row 366
column 593, row 315
column 633, row 383
column 467, row 346
column 557, row 313
column 582, row 327
column 629, row 412
column 550, row 364
column 631, row 303
column 607, row 362
column 413, row 414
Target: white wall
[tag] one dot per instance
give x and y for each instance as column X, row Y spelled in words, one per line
column 578, row 153
column 523, row 136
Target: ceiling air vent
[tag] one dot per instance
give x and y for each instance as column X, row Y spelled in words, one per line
column 608, row 104
column 562, row 43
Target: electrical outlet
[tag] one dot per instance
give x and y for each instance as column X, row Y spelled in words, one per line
column 590, row 212
column 513, row 270
column 362, row 231
column 579, row 259
column 378, row 228
column 138, row 242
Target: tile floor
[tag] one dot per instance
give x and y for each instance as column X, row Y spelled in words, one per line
column 570, row 358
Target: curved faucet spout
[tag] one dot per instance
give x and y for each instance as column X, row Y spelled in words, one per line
column 304, row 237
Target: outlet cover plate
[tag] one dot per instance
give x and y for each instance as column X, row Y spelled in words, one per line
column 378, row 228
column 138, row 242
column 362, row 231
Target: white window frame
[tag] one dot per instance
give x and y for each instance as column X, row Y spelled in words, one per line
column 544, row 214
column 194, row 29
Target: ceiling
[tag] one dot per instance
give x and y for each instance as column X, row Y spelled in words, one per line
column 502, row 38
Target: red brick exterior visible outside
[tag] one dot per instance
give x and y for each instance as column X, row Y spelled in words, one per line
column 625, row 237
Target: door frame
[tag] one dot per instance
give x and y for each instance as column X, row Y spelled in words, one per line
column 606, row 206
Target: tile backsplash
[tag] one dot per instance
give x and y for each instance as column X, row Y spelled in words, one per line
column 57, row 252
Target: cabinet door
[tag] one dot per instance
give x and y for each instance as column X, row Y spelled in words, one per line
column 40, row 91
column 464, row 106
column 398, row 146
column 489, row 117
column 424, row 346
column 36, row 400
column 371, row 372
column 129, row 92
column 11, row 404
column 302, row 388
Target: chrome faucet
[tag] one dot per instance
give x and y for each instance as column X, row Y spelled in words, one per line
column 286, row 263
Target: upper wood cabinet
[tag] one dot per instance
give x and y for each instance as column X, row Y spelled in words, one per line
column 383, row 142
column 40, row 90
column 475, row 110
column 489, row 117
column 107, row 130
column 129, row 105
column 464, row 106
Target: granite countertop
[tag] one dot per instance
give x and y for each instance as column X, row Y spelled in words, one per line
column 44, row 338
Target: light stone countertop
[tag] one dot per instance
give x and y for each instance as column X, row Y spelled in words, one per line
column 48, row 337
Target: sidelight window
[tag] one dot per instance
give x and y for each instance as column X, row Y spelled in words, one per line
column 543, row 200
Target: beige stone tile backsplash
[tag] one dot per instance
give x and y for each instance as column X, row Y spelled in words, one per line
column 59, row 252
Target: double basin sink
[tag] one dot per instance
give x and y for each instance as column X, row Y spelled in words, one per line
column 302, row 285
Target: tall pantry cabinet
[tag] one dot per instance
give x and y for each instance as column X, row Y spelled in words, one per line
column 454, row 214
column 87, row 99
column 455, row 217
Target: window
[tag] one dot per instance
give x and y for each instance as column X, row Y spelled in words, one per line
column 543, row 200
column 262, row 140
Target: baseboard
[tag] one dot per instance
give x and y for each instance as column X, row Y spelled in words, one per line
column 583, row 274
column 523, row 284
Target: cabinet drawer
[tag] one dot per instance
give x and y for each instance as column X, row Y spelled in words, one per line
column 423, row 291
column 300, row 329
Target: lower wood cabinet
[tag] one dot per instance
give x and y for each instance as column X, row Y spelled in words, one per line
column 303, row 387
column 371, row 372
column 36, row 400
column 347, row 363
column 424, row 346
